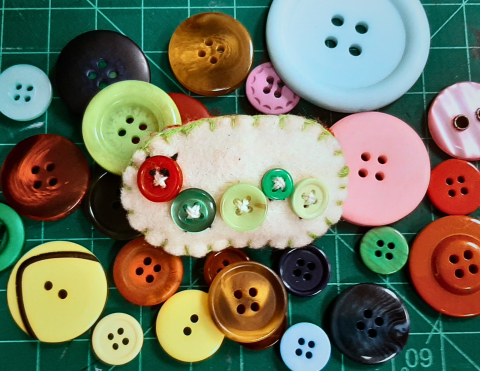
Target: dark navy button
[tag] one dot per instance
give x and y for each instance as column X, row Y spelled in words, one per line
column 94, row 60
column 369, row 324
column 305, row 271
column 104, row 209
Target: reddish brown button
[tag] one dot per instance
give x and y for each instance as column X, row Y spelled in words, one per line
column 216, row 261
column 45, row 177
column 190, row 108
column 146, row 275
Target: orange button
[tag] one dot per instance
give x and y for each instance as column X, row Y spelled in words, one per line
column 445, row 263
column 216, row 261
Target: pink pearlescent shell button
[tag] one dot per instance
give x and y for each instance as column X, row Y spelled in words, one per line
column 267, row 92
column 454, row 121
column 389, row 168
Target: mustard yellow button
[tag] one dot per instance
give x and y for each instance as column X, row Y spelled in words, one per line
column 117, row 339
column 185, row 328
column 57, row 291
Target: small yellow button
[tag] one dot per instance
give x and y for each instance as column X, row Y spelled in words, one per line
column 185, row 328
column 117, row 339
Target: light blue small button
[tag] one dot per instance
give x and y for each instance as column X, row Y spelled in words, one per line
column 305, row 347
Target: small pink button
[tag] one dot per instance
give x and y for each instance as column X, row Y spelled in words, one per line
column 454, row 121
column 267, row 92
column 389, row 168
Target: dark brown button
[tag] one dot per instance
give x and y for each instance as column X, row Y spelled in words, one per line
column 211, row 54
column 216, row 261
column 45, row 177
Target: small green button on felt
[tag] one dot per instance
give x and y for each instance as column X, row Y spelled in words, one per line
column 384, row 250
column 277, row 184
column 14, row 237
column 310, row 198
column 194, row 210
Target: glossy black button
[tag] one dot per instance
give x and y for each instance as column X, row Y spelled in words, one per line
column 369, row 324
column 94, row 60
column 104, row 209
column 305, row 271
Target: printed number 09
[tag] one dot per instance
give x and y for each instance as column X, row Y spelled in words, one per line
column 413, row 358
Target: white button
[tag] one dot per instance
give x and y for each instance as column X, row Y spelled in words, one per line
column 345, row 55
column 25, row 92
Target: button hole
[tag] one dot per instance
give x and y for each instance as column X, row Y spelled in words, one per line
column 311, row 266
column 149, row 278
column 451, row 193
column 338, row 20
column 35, row 169
column 255, row 307
column 301, row 341
column 298, row 352
column 297, row 272
column 461, row 179
column 18, row 86
column 62, row 294
column 92, row 75
column 202, row 53
column 157, row 268
column 459, row 273
column 52, row 182
column 363, row 173
column 372, row 333
column 253, row 292
column 389, row 256
column 307, row 276
column 110, row 336
column 115, row 346
column 220, row 48
column 382, row 160
column 454, row 259
column 309, row 355
column 367, row 313
column 135, row 140
column 467, row 254
column 237, row 294
column 50, row 167
column 360, row 326
column 28, row 98
column 464, row 191
column 102, row 84
column 125, row 341
column 112, row 74
column 120, row 331
column 365, row 156
column 213, row 60
column 241, row 309
column 37, row 184
column 48, row 286
column 361, row 28
column 102, row 64
column 16, row 97
column 29, row 88
column 194, row 318
column 379, row 176
column 473, row 269
column 461, row 122
column 331, row 42
column 139, row 271
column 208, row 42
column 378, row 254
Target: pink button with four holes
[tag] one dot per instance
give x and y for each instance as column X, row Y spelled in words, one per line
column 389, row 168
column 267, row 92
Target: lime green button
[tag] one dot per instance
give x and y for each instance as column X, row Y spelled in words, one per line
column 194, row 210
column 277, row 184
column 120, row 116
column 13, row 238
column 310, row 198
column 243, row 207
column 384, row 250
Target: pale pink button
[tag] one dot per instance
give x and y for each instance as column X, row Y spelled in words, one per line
column 389, row 168
column 267, row 92
column 454, row 121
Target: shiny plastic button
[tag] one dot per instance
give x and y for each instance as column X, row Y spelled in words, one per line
column 194, row 210
column 267, row 92
column 269, row 341
column 243, row 207
column 94, row 60
column 117, row 339
column 25, row 93
column 444, row 265
column 185, row 328
column 146, row 275
column 211, row 53
column 160, row 179
column 217, row 261
column 190, row 109
column 369, row 324
column 45, row 177
column 305, row 347
column 310, row 198
column 455, row 187
column 305, row 271
column 384, row 250
column 13, row 239
column 120, row 116
column 387, row 181
column 57, row 291
column 454, row 121
column 277, row 184
column 248, row 302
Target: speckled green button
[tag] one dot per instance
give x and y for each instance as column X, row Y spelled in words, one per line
column 310, row 198
column 384, row 250
column 277, row 184
column 194, row 210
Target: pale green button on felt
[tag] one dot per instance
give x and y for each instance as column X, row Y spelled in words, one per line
column 310, row 198
column 243, row 207
column 384, row 250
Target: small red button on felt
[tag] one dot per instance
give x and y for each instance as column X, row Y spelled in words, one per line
column 455, row 187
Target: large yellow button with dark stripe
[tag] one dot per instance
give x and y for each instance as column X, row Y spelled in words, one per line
column 57, row 291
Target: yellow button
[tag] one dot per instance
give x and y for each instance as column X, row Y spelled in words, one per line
column 117, row 339
column 57, row 291
column 185, row 328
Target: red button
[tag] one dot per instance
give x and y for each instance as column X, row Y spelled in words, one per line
column 455, row 187
column 160, row 179
column 190, row 108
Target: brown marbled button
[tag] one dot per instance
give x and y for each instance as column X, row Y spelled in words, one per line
column 216, row 261
column 211, row 54
column 45, row 177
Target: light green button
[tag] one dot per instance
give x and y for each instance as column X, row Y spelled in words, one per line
column 384, row 250
column 14, row 237
column 120, row 116
column 243, row 207
column 277, row 184
column 310, row 198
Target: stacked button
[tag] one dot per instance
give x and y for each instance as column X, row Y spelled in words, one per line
column 190, row 109
column 13, row 239
column 194, row 210
column 217, row 261
column 310, row 198
column 277, row 184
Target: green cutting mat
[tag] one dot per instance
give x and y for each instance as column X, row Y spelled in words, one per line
column 34, row 32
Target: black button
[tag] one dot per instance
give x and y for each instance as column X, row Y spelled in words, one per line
column 369, row 324
column 305, row 271
column 104, row 209
column 94, row 60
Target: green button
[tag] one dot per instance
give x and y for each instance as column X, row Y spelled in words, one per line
column 243, row 207
column 277, row 184
column 384, row 250
column 193, row 210
column 14, row 237
column 310, row 198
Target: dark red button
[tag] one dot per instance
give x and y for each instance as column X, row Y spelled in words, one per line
column 216, row 261
column 160, row 179
column 190, row 108
column 45, row 177
column 455, row 187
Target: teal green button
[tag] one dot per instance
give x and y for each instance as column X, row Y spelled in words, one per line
column 277, row 184
column 384, row 250
column 14, row 237
column 193, row 210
